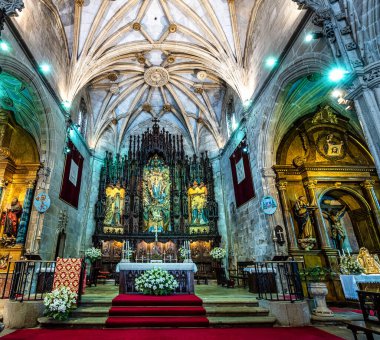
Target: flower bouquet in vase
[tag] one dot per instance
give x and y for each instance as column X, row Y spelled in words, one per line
column 59, row 303
column 156, row 282
column 217, row 254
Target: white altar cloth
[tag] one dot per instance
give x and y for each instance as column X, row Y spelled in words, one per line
column 350, row 286
column 146, row 266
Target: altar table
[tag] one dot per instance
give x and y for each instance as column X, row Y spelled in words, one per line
column 183, row 273
column 349, row 283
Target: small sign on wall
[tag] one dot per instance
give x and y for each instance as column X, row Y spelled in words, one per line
column 268, row 205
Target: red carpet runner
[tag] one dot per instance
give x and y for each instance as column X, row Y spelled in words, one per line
column 129, row 310
column 286, row 333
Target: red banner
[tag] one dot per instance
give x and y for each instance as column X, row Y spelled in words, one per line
column 241, row 175
column 72, row 176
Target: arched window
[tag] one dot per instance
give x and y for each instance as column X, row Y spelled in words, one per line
column 82, row 117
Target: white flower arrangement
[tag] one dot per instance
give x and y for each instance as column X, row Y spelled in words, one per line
column 60, row 302
column 93, row 254
column 156, row 282
column 183, row 252
column 218, row 253
column 350, row 266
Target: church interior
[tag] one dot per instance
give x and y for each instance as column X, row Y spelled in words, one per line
column 229, row 149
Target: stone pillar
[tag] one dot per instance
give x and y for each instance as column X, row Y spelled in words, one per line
column 24, row 219
column 367, row 185
column 319, row 224
column 368, row 112
column 2, row 186
column 290, row 231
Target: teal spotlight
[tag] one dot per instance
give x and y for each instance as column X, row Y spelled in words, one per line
column 309, row 37
column 45, row 68
column 271, row 62
column 4, row 46
column 66, row 105
column 337, row 74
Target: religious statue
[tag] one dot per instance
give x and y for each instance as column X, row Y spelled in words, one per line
column 156, row 195
column 197, row 203
column 114, row 206
column 11, row 218
column 305, row 227
column 337, row 230
column 368, row 262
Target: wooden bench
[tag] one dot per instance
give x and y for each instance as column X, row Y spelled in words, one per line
column 204, row 272
column 370, row 306
column 239, row 275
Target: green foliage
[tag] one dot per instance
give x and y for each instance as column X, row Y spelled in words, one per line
column 316, row 274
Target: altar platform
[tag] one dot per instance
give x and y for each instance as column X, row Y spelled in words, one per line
column 183, row 272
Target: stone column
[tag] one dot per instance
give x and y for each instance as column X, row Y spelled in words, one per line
column 367, row 185
column 3, row 184
column 290, row 231
column 24, row 219
column 319, row 224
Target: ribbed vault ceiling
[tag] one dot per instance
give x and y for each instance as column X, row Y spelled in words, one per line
column 171, row 58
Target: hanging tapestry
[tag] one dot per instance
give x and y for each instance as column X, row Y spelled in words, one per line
column 72, row 176
column 156, row 195
column 241, row 175
column 67, row 274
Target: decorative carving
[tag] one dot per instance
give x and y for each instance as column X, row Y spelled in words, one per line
column 282, row 185
column 141, row 59
column 10, row 7
column 331, row 147
column 167, row 107
column 201, row 75
column 198, row 89
column 156, row 76
column 147, row 107
column 172, row 28
column 112, row 76
column 170, row 59
column 346, row 30
column 368, row 262
column 372, row 74
column 368, row 184
column 114, row 89
column 136, row 26
column 351, row 46
column 325, row 115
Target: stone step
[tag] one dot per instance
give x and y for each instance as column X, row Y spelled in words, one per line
column 93, row 322
column 91, row 311
column 235, row 311
column 242, row 321
column 227, row 302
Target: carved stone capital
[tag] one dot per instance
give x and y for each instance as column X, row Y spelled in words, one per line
column 31, row 184
column 79, row 2
column 368, row 184
column 310, row 184
column 282, row 185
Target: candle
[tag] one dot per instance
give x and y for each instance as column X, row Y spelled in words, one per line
column 348, row 252
column 339, row 253
column 343, row 252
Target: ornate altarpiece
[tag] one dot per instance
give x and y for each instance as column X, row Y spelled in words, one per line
column 156, row 188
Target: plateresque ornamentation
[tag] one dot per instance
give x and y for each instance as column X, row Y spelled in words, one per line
column 156, row 76
column 11, row 6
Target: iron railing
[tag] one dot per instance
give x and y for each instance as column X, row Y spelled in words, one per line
column 31, row 280
column 276, row 280
column 28, row 280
